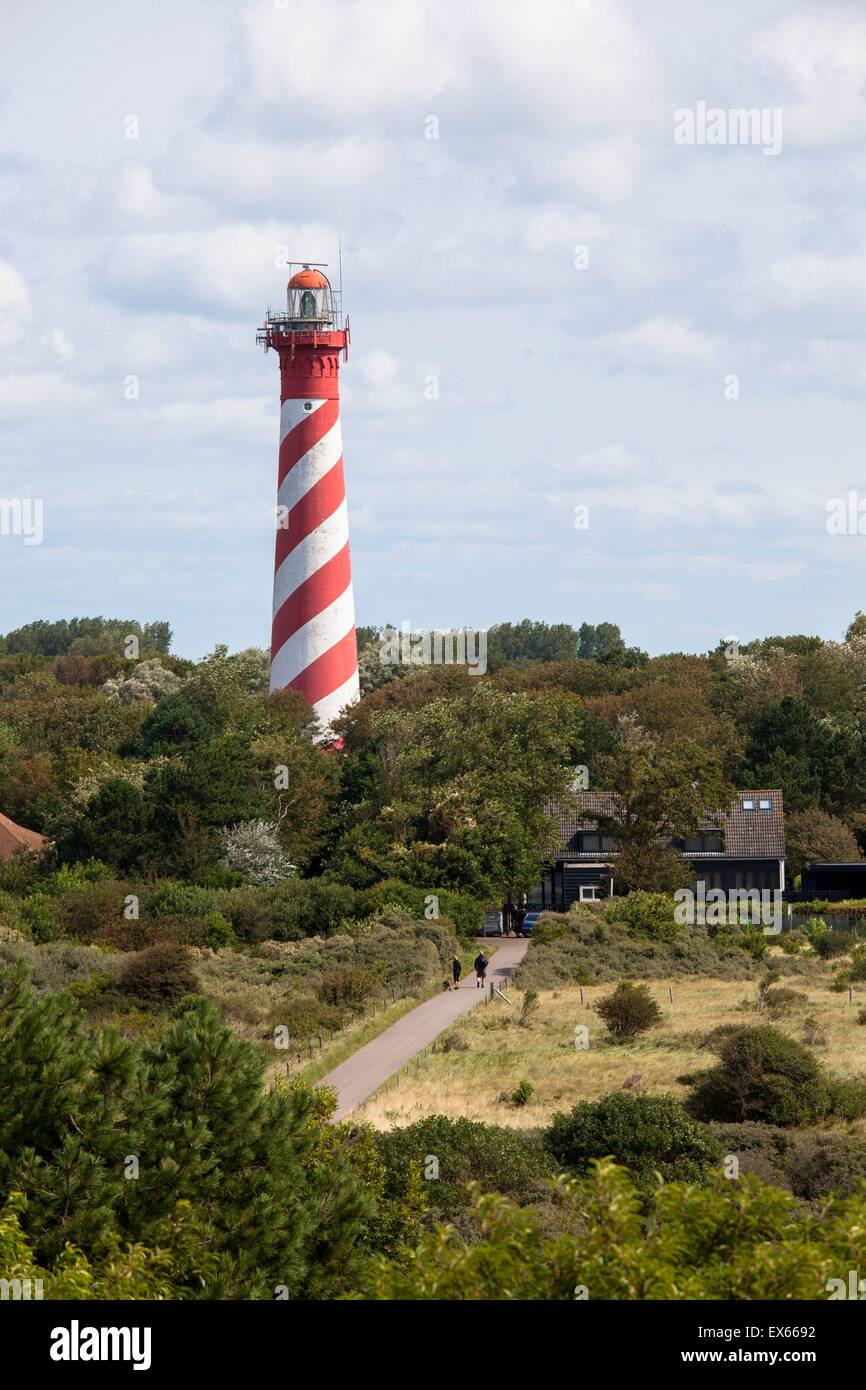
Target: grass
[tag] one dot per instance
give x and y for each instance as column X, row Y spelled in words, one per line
column 502, row 1053
column 358, row 1033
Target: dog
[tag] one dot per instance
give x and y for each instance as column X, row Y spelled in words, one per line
column 446, row 984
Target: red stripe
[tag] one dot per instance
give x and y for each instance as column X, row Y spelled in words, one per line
column 311, row 597
column 317, row 504
column 305, row 434
column 329, row 671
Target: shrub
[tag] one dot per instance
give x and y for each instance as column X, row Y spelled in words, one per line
column 649, row 915
column 830, row 944
column 823, row 1164
column 781, row 1000
column 98, row 983
column 813, row 1034
column 39, row 918
column 502, row 1160
column 759, row 1149
column 347, row 985
column 252, row 848
column 629, row 1011
column 846, row 1097
column 529, row 1006
column 170, row 899
column 522, row 1093
column 160, row 974
column 88, row 910
column 762, row 1075
column 791, row 942
column 218, row 932
column 647, row 1134
column 861, row 1016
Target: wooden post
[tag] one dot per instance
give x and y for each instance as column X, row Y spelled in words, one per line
column 581, row 994
column 320, row 1042
column 671, row 992
column 311, row 1050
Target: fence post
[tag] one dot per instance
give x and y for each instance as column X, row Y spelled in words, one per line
column 581, row 994
column 320, row 1042
column 671, row 992
column 311, row 1051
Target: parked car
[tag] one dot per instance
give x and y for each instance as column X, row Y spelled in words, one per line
column 529, row 921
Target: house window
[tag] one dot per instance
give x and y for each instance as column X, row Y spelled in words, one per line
column 707, row 843
column 593, row 843
column 748, row 803
column 589, row 893
column 765, row 804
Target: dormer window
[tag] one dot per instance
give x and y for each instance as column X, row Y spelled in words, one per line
column 709, row 842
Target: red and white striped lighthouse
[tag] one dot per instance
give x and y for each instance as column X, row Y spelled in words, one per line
column 313, row 646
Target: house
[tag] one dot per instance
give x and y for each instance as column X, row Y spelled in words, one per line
column 832, row 882
column 746, row 851
column 16, row 837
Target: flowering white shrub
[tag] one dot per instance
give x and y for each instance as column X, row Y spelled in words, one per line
column 150, row 680
column 252, row 848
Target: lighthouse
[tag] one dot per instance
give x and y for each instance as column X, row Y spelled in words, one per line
column 313, row 645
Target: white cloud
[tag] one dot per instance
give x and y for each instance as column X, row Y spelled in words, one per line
column 663, row 342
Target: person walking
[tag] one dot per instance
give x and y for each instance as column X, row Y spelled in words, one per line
column 480, row 964
column 456, row 970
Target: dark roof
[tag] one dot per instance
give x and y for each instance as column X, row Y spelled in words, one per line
column 747, row 834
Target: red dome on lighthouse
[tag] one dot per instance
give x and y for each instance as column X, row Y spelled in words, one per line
column 307, row 279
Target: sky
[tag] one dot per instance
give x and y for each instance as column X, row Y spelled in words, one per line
column 608, row 356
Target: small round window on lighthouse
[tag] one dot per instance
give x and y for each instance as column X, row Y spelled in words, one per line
column 308, row 405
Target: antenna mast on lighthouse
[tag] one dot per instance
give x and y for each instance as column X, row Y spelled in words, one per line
column 313, row 644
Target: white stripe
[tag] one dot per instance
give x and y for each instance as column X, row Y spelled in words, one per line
column 330, row 705
column 292, row 412
column 312, row 640
column 311, row 466
column 313, row 551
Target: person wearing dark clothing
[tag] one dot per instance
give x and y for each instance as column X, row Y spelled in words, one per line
column 480, row 964
column 456, row 970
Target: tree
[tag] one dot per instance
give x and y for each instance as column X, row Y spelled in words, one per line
column 595, row 642
column 455, row 794
column 662, row 791
column 814, row 835
column 276, row 1201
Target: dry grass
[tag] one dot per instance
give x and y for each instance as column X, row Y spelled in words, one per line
column 501, row 1052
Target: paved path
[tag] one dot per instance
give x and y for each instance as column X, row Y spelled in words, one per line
column 370, row 1066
